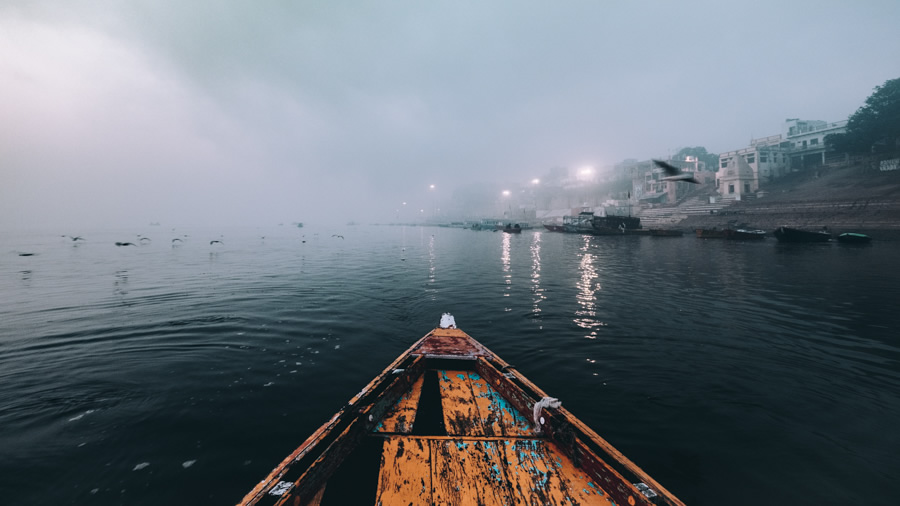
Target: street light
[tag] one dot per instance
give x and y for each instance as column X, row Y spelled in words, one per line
column 433, row 203
column 508, row 204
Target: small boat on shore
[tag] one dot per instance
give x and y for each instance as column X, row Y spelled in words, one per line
column 746, row 235
column 854, row 238
column 728, row 233
column 786, row 234
column 449, row 422
column 512, row 229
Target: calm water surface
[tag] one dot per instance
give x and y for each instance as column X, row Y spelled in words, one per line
column 729, row 371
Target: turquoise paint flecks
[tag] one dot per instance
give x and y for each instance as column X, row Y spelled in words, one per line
column 474, row 376
column 461, row 376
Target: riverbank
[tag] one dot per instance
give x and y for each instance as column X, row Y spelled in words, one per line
column 846, row 199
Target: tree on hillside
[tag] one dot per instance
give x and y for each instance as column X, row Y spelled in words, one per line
column 874, row 127
column 710, row 159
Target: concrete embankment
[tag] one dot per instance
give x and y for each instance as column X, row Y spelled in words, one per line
column 850, row 199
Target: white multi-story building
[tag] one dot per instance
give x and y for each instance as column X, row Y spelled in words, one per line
column 806, row 140
column 800, row 146
column 767, row 158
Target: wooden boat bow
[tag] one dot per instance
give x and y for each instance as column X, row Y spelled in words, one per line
column 449, row 422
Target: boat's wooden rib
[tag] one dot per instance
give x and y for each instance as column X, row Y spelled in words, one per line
column 402, row 415
column 482, row 448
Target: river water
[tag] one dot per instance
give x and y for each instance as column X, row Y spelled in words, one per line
column 182, row 372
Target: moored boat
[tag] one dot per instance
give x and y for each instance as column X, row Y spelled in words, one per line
column 854, row 238
column 449, row 422
column 582, row 223
column 786, row 234
column 746, row 235
column 554, row 228
column 614, row 225
column 512, row 229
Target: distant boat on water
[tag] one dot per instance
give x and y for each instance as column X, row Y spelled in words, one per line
column 854, row 238
column 731, row 234
column 786, row 234
column 746, row 235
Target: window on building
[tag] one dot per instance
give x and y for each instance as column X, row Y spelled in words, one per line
column 731, row 188
column 814, row 141
column 746, row 187
column 751, row 158
column 724, row 163
column 763, row 158
column 804, row 144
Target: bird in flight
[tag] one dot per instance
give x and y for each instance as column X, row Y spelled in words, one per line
column 336, row 235
column 215, row 242
column 674, row 173
column 125, row 244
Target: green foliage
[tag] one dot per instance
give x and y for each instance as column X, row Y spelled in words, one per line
column 710, row 159
column 876, row 125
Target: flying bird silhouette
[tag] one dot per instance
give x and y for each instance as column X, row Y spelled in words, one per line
column 215, row 242
column 125, row 244
column 336, row 235
column 76, row 238
column 674, row 173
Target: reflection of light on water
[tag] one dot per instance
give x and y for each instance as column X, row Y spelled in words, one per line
column 536, row 273
column 504, row 258
column 431, row 260
column 430, row 285
column 587, row 286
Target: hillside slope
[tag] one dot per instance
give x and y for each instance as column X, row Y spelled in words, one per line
column 844, row 199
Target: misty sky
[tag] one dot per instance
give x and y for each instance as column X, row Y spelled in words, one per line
column 254, row 113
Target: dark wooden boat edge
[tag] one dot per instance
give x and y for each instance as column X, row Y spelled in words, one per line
column 323, row 451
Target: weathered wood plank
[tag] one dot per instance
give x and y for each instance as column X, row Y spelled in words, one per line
column 405, row 475
column 562, row 427
column 345, row 415
column 541, row 475
column 468, row 472
column 461, row 416
column 498, row 416
column 402, row 416
column 449, row 342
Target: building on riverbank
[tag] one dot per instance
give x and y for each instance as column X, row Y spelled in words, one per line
column 800, row 146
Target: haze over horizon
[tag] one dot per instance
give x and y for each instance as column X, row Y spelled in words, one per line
column 117, row 113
